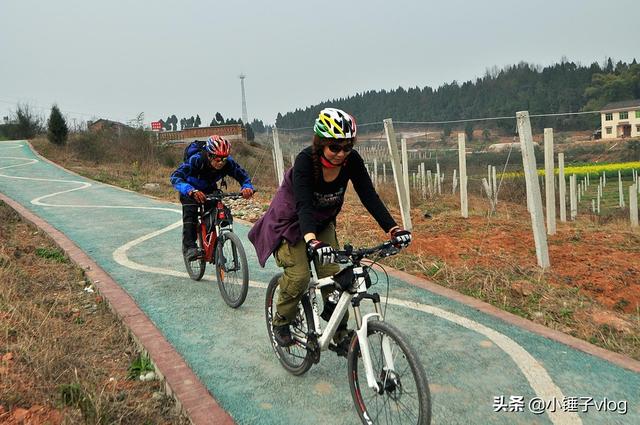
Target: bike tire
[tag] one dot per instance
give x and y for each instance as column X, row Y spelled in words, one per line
column 233, row 283
column 404, row 399
column 197, row 267
column 296, row 359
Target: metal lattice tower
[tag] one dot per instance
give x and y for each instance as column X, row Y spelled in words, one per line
column 245, row 117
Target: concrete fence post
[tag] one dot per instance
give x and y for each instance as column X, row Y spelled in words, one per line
column 275, row 164
column 562, row 188
column 423, row 181
column 573, row 197
column 278, row 153
column 549, row 178
column 375, row 173
column 633, row 205
column 533, row 189
column 401, row 189
column 454, row 182
column 462, row 164
column 405, row 170
column 620, row 191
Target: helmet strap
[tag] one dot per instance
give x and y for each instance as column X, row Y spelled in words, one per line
column 327, row 164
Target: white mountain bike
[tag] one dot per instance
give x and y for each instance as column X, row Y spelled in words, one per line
column 388, row 383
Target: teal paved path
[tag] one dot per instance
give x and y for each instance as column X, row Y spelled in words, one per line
column 471, row 358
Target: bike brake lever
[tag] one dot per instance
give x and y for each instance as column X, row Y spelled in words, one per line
column 342, row 259
column 388, row 252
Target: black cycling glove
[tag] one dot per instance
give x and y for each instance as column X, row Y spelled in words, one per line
column 321, row 252
column 400, row 238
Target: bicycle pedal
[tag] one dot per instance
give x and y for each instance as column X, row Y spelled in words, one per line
column 339, row 350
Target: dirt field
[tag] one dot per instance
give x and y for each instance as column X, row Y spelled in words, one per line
column 64, row 357
column 592, row 290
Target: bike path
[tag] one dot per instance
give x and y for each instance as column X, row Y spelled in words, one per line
column 470, row 357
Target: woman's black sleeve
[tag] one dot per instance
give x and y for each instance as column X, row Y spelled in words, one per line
column 303, row 192
column 367, row 193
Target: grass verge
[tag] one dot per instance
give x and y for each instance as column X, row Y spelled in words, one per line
column 64, row 357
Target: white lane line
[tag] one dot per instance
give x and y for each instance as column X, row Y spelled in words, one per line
column 120, row 256
column 536, row 375
column 28, row 162
column 13, row 147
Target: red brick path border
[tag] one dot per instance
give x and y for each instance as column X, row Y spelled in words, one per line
column 180, row 381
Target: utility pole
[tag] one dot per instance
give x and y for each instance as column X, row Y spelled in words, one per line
column 245, row 118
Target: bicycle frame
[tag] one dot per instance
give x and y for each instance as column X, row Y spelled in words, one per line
column 209, row 239
column 346, row 298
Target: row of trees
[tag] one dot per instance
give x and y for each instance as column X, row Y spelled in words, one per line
column 171, row 123
column 559, row 88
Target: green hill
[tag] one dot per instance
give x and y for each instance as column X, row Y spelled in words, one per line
column 558, row 88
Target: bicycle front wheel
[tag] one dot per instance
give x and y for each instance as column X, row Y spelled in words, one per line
column 232, row 271
column 195, row 268
column 296, row 359
column 403, row 396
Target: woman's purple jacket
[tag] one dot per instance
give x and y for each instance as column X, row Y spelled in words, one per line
column 281, row 221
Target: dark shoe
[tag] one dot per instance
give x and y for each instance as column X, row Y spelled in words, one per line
column 191, row 254
column 282, row 335
column 341, row 341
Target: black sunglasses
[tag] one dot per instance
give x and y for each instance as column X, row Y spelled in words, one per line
column 335, row 148
column 216, row 158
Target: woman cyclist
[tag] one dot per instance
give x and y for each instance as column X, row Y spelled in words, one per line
column 300, row 222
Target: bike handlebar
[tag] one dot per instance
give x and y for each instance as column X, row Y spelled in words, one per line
column 218, row 195
column 349, row 254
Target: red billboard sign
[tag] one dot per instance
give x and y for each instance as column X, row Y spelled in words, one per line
column 156, row 125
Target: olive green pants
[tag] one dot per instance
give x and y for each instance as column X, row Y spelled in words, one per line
column 297, row 272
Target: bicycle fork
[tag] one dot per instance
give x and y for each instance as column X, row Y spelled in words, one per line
column 363, row 340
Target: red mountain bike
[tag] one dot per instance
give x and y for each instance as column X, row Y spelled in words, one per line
column 218, row 245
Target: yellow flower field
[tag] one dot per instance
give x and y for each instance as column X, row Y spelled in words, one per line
column 612, row 169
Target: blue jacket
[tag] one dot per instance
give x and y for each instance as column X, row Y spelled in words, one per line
column 197, row 173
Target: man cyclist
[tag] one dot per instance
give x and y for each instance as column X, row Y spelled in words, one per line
column 197, row 176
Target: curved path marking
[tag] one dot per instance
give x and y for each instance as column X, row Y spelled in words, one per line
column 536, row 375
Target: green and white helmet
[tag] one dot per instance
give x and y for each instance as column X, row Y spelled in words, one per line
column 335, row 124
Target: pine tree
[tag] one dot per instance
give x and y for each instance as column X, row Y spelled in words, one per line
column 468, row 130
column 57, row 127
column 250, row 135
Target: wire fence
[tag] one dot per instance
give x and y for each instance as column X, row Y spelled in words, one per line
column 494, row 171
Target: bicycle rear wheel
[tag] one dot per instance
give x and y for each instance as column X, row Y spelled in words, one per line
column 196, row 268
column 404, row 396
column 232, row 271
column 296, row 359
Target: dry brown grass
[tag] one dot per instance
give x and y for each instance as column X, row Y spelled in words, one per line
column 64, row 355
column 134, row 160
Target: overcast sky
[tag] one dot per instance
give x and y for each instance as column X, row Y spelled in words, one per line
column 114, row 59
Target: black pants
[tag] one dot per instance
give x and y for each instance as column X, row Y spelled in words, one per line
column 189, row 222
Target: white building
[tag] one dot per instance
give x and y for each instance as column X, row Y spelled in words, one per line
column 621, row 119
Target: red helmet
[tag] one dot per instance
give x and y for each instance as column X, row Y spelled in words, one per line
column 217, row 146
